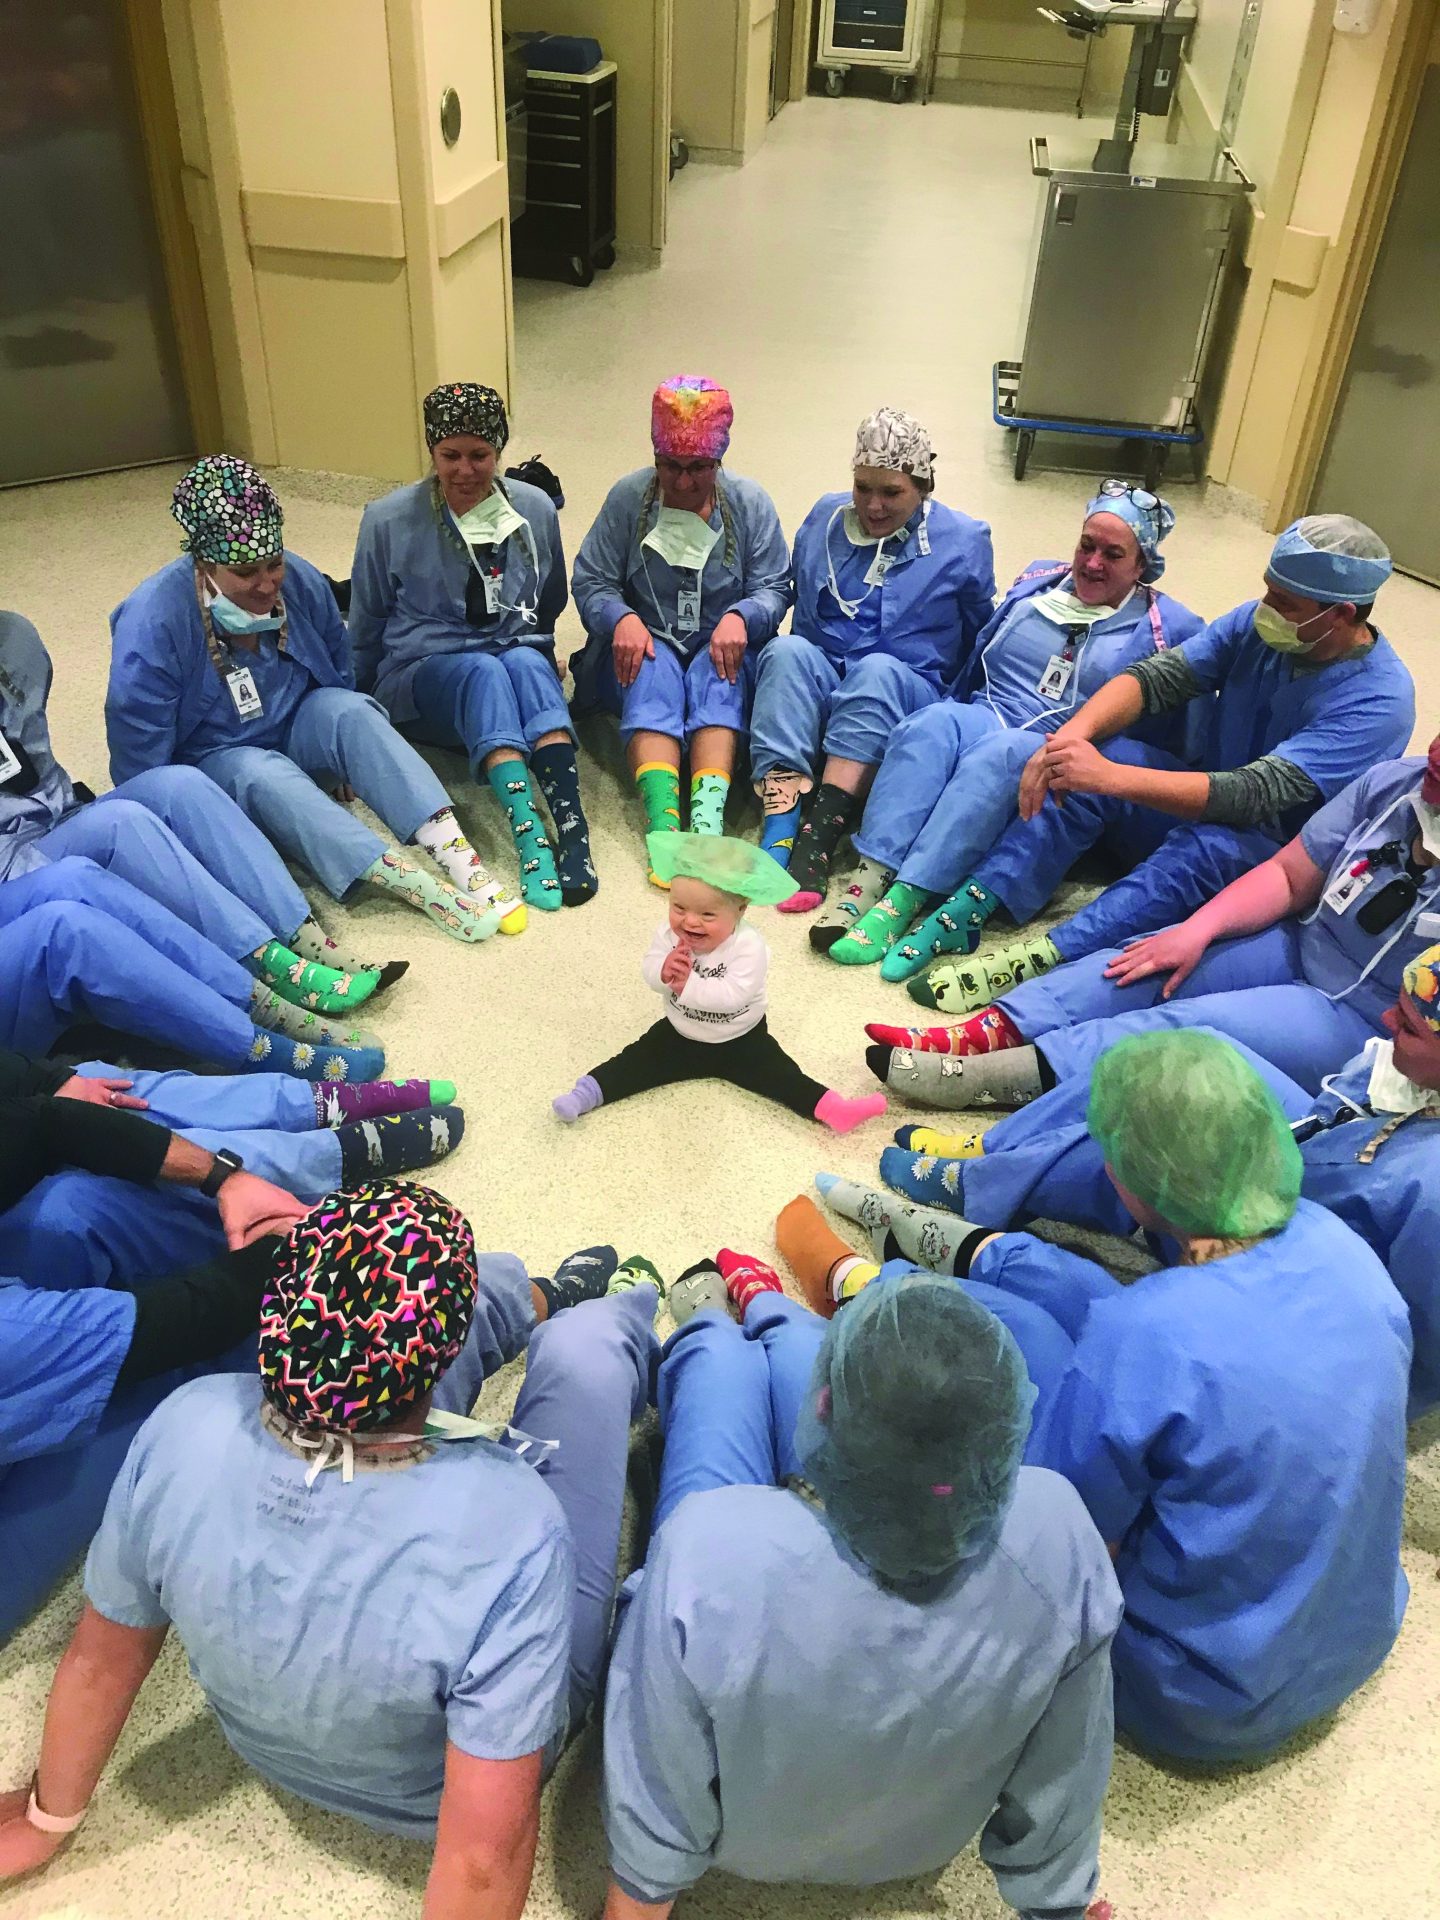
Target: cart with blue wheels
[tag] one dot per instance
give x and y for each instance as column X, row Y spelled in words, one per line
column 1156, row 441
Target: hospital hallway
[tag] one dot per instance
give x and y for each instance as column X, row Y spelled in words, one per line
column 868, row 255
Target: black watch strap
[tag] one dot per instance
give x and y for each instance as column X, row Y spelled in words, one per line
column 226, row 1163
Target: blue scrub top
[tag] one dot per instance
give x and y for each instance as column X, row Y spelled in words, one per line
column 410, row 577
column 25, row 678
column 1238, row 1429
column 167, row 703
column 1335, row 949
column 343, row 1633
column 937, row 596
column 59, row 1355
column 761, row 1672
column 616, row 574
column 1332, row 722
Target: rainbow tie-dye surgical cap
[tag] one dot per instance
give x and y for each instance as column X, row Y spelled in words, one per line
column 1422, row 983
column 370, row 1301
column 691, row 418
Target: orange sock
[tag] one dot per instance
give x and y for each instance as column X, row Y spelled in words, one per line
column 811, row 1247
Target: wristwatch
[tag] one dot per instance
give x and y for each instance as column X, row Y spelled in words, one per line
column 226, row 1163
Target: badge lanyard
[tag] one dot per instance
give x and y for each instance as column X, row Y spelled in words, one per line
column 880, row 564
column 492, row 580
column 687, row 599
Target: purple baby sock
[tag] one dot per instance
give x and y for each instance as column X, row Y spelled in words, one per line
column 583, row 1097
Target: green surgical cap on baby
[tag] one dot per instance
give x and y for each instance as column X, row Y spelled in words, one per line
column 731, row 866
column 1188, row 1126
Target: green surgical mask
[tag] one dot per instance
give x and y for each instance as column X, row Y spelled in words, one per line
column 491, row 523
column 681, row 539
column 1282, row 634
column 1068, row 610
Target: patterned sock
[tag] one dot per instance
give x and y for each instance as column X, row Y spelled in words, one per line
column 954, row 927
column 308, row 983
column 636, row 1271
column 554, row 767
column 876, row 932
column 454, row 913
column 780, row 794
column 960, row 1082
column 539, row 882
column 869, row 882
column 268, row 1010
column 278, row 1053
column 398, row 1142
column 947, row 1146
column 746, row 1277
column 899, row 1231
column 441, row 838
column 958, row 988
column 584, row 1275
column 699, row 1287
column 832, row 813
column 935, row 1182
column 917, row 1039
column 583, row 1097
column 311, row 942
column 659, row 787
column 847, row 1279
column 339, row 1106
column 708, row 789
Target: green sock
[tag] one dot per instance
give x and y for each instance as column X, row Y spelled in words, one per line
column 637, row 1271
column 660, row 796
column 454, row 913
column 707, row 801
column 309, row 983
column 539, row 881
column 876, row 932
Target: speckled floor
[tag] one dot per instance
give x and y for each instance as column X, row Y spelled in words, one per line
column 869, row 254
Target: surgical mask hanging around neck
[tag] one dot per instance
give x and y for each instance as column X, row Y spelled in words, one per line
column 490, row 523
column 682, row 539
column 232, row 619
column 1389, row 1090
column 1428, row 820
column 1285, row 636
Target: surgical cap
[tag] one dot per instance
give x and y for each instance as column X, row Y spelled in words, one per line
column 370, row 1300
column 690, row 418
column 1430, row 779
column 897, row 441
column 1188, row 1126
column 466, row 407
column 733, row 866
column 229, row 514
column 1148, row 517
column 914, row 1424
column 1422, row 983
column 1329, row 557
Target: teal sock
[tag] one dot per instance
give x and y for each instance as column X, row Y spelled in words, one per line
column 707, row 802
column 539, row 880
column 954, row 927
column 877, row 931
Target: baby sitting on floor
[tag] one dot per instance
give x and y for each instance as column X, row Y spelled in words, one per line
column 709, row 969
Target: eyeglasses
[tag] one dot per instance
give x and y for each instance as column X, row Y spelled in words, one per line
column 1122, row 489
column 692, row 469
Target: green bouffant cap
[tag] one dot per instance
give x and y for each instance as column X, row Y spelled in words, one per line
column 732, row 866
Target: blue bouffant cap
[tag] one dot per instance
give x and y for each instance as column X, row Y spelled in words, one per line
column 1329, row 557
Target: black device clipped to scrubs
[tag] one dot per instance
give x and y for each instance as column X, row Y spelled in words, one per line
column 1397, row 896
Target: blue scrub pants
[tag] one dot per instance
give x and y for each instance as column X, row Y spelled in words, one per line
column 482, row 700
column 335, row 738
column 674, row 696
column 587, row 1377
column 945, row 792
column 171, row 833
column 1034, row 856
column 80, row 1229
column 1190, row 866
column 802, row 700
column 77, row 943
column 1252, row 990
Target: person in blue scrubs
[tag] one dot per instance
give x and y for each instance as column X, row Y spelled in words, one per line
column 450, row 1585
column 170, row 832
column 1235, row 1421
column 1300, row 959
column 947, row 787
column 234, row 659
column 864, row 1632
column 80, row 944
column 892, row 591
column 1369, row 1141
column 457, row 583
column 681, row 583
column 1287, row 699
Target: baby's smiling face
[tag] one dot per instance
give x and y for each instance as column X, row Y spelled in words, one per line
column 702, row 916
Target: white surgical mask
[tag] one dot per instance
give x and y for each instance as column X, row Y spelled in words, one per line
column 491, row 523
column 1282, row 634
column 858, row 534
column 232, row 619
column 1428, row 819
column 1067, row 609
column 682, row 539
column 1389, row 1091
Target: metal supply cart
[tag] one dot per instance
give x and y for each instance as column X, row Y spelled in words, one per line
column 1126, row 276
column 887, row 36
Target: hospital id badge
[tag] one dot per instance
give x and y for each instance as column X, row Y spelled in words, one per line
column 1056, row 677
column 492, row 584
column 878, row 568
column 1342, row 894
column 687, row 610
column 244, row 692
column 9, row 762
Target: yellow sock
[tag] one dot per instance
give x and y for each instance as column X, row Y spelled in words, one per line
column 947, row 1146
column 849, row 1276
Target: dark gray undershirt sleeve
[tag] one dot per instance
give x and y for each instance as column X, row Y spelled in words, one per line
column 1268, row 787
column 1167, row 680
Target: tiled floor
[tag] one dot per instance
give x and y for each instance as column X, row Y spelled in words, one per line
column 868, row 255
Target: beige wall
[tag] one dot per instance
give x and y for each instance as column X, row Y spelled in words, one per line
column 348, row 256
column 1004, row 44
column 721, row 102
column 635, row 34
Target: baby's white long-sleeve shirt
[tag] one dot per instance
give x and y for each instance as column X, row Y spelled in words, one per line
column 725, row 994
